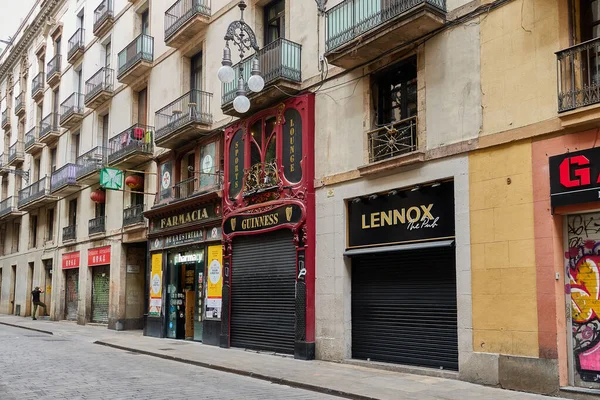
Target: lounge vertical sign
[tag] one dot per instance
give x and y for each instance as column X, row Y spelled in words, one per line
column 575, row 177
column 402, row 217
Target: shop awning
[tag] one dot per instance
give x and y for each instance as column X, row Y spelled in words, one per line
column 399, row 247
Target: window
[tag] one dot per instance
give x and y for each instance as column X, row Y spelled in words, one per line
column 57, row 43
column 397, row 92
column 37, row 162
column 73, row 212
column 143, row 107
column 80, row 19
column 75, row 137
column 16, row 234
column 40, row 112
column 33, row 227
column 100, row 210
column 53, row 160
column 196, row 73
column 4, row 188
column 145, row 23
column 107, row 54
column 50, row 224
column 55, row 103
column 104, row 130
column 79, row 84
column 274, row 21
column 208, row 167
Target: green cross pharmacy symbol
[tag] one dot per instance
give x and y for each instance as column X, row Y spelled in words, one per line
column 111, row 178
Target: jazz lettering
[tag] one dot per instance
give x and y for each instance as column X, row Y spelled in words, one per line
column 414, row 218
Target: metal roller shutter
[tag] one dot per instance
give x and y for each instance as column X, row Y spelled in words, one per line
column 263, row 277
column 72, row 291
column 100, row 293
column 404, row 308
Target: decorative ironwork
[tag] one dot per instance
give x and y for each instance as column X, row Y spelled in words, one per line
column 6, row 117
column 91, row 161
column 31, row 137
column 69, row 233
column 34, row 191
column 8, row 206
column 137, row 138
column 261, row 177
column 76, row 42
column 352, row 18
column 72, row 105
column 15, row 151
column 579, row 75
column 393, row 140
column 192, row 107
column 140, row 49
column 49, row 124
column 280, row 59
column 103, row 80
column 96, row 225
column 133, row 215
column 37, row 84
column 181, row 12
column 19, row 103
column 184, row 189
column 53, row 67
column 103, row 12
column 240, row 33
column 64, row 176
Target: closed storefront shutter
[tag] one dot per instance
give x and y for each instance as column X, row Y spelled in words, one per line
column 404, row 308
column 100, row 293
column 263, row 292
column 72, row 291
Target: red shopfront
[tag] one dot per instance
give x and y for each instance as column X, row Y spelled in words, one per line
column 99, row 262
column 269, row 231
column 70, row 266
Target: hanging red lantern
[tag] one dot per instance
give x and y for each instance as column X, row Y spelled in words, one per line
column 98, row 196
column 134, row 182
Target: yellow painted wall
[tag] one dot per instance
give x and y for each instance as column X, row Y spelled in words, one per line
column 518, row 64
column 503, row 251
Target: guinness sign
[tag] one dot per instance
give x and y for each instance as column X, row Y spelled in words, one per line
column 405, row 216
column 289, row 214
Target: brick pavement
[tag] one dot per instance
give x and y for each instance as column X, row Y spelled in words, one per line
column 341, row 379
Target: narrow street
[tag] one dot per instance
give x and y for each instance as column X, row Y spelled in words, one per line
column 39, row 366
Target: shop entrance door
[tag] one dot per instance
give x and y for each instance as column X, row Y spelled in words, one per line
column 71, row 293
column 100, row 293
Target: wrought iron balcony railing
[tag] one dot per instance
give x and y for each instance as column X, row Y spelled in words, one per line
column 76, row 42
column 184, row 189
column 393, row 140
column 69, row 233
column 352, row 18
column 140, row 49
column 579, row 75
column 65, row 175
column 133, row 215
column 31, row 137
column 96, row 225
column 181, row 12
column 193, row 106
column 72, row 105
column 280, row 59
column 138, row 138
column 261, row 177
column 34, row 191
column 53, row 66
column 15, row 151
column 104, row 79
column 8, row 205
column 37, row 83
column 91, row 161
column 5, row 116
column 103, row 12
column 19, row 103
column 49, row 124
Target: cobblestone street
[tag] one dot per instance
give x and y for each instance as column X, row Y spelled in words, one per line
column 39, row 366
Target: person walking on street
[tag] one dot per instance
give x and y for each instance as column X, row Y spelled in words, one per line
column 35, row 295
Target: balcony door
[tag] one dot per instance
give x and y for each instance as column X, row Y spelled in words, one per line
column 57, row 43
column 274, row 21
column 143, row 107
column 145, row 23
column 196, row 72
column 589, row 29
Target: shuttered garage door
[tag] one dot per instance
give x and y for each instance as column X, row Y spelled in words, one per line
column 404, row 308
column 263, row 280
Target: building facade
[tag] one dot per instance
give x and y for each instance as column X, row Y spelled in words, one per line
column 416, row 184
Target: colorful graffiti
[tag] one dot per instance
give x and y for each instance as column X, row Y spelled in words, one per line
column 583, row 287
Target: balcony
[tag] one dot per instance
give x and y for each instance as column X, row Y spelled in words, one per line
column 96, row 226
column 37, row 87
column 53, row 71
column 99, row 88
column 6, row 119
column 280, row 64
column 133, row 215
column 36, row 195
column 69, row 233
column 184, row 20
column 20, row 105
column 49, row 130
column 32, row 141
column 187, row 118
column 358, row 31
column 8, row 208
column 207, row 185
column 103, row 18
column 136, row 59
column 3, row 165
column 131, row 147
column 15, row 154
column 90, row 165
column 71, row 111
column 579, row 75
column 76, row 46
column 64, row 180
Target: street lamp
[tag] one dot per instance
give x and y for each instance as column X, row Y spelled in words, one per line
column 244, row 38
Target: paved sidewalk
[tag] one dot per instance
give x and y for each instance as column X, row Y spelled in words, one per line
column 350, row 381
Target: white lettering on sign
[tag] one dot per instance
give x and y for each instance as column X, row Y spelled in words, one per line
column 187, row 258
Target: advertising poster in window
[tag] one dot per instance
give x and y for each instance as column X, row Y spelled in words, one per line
column 156, row 285
column 214, row 285
column 165, row 180
column 207, row 165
